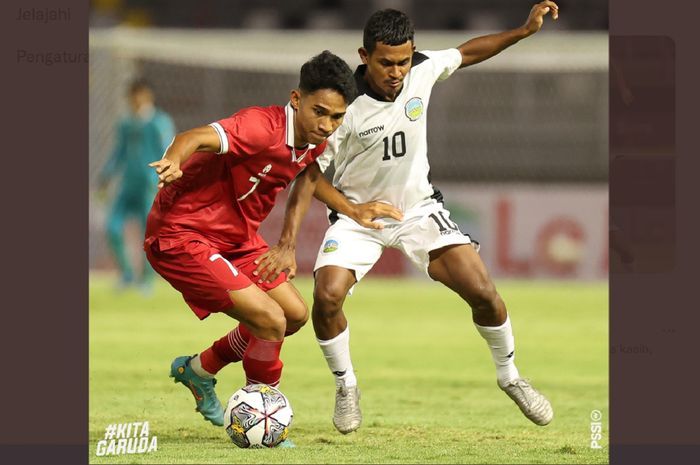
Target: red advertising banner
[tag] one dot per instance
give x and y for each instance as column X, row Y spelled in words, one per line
column 525, row 231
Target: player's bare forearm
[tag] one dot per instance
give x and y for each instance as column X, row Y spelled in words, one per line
column 282, row 256
column 363, row 213
column 298, row 203
column 326, row 193
column 482, row 48
column 202, row 139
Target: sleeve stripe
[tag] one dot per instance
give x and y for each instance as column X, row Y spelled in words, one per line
column 222, row 137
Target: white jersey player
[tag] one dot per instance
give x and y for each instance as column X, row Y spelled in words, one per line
column 380, row 154
column 381, row 150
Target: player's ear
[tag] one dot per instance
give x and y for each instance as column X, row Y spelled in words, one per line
column 364, row 56
column 295, row 98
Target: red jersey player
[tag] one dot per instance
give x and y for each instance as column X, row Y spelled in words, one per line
column 217, row 184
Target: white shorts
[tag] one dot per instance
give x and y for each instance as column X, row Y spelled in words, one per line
column 425, row 227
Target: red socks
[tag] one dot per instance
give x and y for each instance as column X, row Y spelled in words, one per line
column 228, row 349
column 261, row 362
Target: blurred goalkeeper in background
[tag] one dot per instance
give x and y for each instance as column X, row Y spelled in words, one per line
column 141, row 136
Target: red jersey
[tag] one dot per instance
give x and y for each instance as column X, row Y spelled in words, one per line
column 223, row 197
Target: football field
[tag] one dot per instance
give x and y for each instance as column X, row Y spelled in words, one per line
column 428, row 384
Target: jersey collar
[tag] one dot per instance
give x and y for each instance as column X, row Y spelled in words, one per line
column 364, row 88
column 289, row 135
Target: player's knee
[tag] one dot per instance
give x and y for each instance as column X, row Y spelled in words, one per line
column 328, row 297
column 296, row 315
column 484, row 297
column 268, row 321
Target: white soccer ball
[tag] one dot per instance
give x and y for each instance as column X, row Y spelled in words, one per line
column 258, row 415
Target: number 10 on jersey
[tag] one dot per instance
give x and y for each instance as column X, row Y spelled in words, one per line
column 398, row 146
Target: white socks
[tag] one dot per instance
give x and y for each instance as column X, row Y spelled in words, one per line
column 196, row 365
column 337, row 353
column 499, row 339
column 502, row 345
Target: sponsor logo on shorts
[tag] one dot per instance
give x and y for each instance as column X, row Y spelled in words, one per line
column 414, row 108
column 330, row 246
column 449, row 232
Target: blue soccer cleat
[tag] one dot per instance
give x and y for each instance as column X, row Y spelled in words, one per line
column 286, row 444
column 202, row 389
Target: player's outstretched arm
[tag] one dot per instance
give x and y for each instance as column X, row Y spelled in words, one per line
column 202, row 139
column 481, row 48
column 363, row 213
column 282, row 257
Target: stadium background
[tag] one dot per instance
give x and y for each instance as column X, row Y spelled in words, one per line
column 519, row 147
column 518, row 144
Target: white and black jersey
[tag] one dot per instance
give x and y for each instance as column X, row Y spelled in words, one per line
column 381, row 149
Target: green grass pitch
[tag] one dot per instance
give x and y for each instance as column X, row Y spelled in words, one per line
column 429, row 392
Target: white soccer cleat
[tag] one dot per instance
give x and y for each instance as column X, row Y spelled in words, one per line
column 347, row 416
column 534, row 405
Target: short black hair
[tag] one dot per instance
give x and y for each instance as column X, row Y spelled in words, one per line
column 139, row 84
column 389, row 26
column 328, row 71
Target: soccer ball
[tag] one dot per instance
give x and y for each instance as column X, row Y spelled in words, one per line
column 258, row 415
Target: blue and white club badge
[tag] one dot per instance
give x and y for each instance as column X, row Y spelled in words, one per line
column 330, row 246
column 414, row 108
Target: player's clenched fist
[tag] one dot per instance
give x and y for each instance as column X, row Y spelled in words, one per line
column 536, row 18
column 168, row 171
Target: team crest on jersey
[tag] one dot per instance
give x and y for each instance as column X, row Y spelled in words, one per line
column 330, row 246
column 414, row 108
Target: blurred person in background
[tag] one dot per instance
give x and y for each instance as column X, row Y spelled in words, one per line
column 141, row 136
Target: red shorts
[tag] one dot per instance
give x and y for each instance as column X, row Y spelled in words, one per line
column 204, row 275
